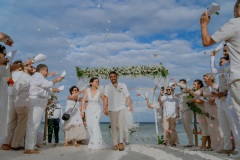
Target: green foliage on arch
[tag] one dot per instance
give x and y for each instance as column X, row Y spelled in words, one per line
column 150, row 71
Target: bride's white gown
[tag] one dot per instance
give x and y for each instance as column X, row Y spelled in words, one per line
column 93, row 115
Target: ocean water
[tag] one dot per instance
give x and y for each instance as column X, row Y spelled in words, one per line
column 145, row 134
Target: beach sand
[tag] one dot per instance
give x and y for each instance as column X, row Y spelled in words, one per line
column 131, row 152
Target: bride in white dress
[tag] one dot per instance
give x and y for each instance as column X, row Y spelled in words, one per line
column 93, row 113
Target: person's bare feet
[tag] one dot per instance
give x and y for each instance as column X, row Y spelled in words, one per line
column 75, row 143
column 66, row 144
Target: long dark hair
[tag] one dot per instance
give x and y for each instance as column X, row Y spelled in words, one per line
column 71, row 89
column 92, row 79
column 199, row 82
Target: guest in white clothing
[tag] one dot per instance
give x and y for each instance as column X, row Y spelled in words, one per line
column 228, row 118
column 20, row 90
column 38, row 99
column 170, row 114
column 12, row 115
column 230, row 33
column 74, row 127
column 186, row 112
column 4, row 73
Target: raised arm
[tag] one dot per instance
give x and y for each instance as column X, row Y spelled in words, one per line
column 206, row 38
column 6, row 39
column 148, row 103
column 73, row 97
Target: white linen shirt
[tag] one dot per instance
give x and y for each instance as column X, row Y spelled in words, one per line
column 21, row 90
column 40, row 86
column 116, row 96
column 223, row 74
column 170, row 106
column 230, row 32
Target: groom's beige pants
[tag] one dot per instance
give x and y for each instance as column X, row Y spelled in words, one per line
column 116, row 120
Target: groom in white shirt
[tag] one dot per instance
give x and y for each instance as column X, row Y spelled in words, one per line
column 115, row 101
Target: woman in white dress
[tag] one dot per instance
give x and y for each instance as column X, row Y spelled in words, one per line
column 93, row 113
column 74, row 127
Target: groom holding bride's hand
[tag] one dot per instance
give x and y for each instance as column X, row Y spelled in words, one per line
column 115, row 102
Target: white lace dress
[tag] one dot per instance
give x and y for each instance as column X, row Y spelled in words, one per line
column 93, row 115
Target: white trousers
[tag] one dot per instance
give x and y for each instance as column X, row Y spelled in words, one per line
column 234, row 121
column 116, row 120
column 224, row 122
column 235, row 96
column 35, row 109
column 187, row 123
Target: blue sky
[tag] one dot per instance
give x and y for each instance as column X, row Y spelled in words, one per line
column 106, row 33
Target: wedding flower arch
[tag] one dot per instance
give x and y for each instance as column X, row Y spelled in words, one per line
column 150, row 71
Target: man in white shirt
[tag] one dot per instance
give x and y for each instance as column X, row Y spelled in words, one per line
column 170, row 114
column 228, row 119
column 186, row 112
column 116, row 99
column 12, row 115
column 38, row 98
column 20, row 91
column 229, row 32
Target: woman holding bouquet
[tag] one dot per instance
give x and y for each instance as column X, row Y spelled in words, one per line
column 211, row 108
column 202, row 119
